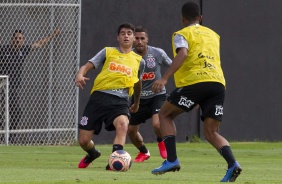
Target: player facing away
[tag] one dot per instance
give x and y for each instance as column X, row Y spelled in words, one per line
column 199, row 80
column 109, row 99
column 150, row 102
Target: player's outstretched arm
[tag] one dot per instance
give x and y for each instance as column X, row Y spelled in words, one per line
column 80, row 80
column 40, row 43
column 137, row 91
column 176, row 64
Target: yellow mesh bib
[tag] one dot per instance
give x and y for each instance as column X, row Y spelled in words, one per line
column 203, row 61
column 119, row 71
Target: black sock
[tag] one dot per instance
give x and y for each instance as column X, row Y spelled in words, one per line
column 159, row 139
column 227, row 154
column 92, row 152
column 143, row 149
column 170, row 147
column 117, row 147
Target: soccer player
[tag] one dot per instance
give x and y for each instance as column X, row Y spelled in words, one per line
column 108, row 102
column 199, row 80
column 12, row 58
column 150, row 102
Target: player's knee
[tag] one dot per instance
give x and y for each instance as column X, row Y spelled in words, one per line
column 166, row 116
column 130, row 132
column 83, row 142
column 162, row 115
column 210, row 134
column 207, row 136
column 122, row 126
column 156, row 126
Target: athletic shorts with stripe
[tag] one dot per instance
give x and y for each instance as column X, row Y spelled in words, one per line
column 103, row 108
column 209, row 95
column 147, row 108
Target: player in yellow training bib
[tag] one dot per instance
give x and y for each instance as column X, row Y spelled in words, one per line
column 199, row 81
column 109, row 99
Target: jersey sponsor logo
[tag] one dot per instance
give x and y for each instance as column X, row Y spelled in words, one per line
column 150, row 62
column 202, row 73
column 118, row 90
column 215, row 75
column 201, row 55
column 148, row 76
column 115, row 67
column 185, row 102
column 146, row 93
column 218, row 110
column 209, row 65
column 84, row 121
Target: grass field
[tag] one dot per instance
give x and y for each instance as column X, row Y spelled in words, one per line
column 200, row 164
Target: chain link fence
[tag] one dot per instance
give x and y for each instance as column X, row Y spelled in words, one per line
column 39, row 51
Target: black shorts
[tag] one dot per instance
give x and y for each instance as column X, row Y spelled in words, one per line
column 209, row 95
column 103, row 108
column 147, row 108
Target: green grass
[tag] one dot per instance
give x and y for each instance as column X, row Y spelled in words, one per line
column 200, row 164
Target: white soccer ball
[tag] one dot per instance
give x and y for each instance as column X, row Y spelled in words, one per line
column 120, row 160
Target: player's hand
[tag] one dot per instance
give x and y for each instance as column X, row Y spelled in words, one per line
column 134, row 108
column 158, row 85
column 80, row 80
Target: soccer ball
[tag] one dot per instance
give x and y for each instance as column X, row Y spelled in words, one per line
column 120, row 160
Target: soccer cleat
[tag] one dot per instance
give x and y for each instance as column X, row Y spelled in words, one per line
column 167, row 167
column 141, row 157
column 162, row 149
column 232, row 173
column 85, row 161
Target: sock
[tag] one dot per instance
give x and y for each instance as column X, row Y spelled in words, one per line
column 143, row 149
column 92, row 152
column 170, row 147
column 159, row 139
column 227, row 154
column 92, row 155
column 117, row 147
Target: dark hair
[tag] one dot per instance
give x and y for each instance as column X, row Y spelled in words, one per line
column 190, row 11
column 126, row 25
column 141, row 29
column 17, row 31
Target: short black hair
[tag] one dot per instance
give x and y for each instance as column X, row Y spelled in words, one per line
column 126, row 25
column 190, row 11
column 17, row 31
column 141, row 29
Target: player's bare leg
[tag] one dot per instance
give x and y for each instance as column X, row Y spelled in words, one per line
column 161, row 144
column 211, row 131
column 86, row 143
column 137, row 141
column 121, row 125
column 85, row 139
column 134, row 135
column 168, row 131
